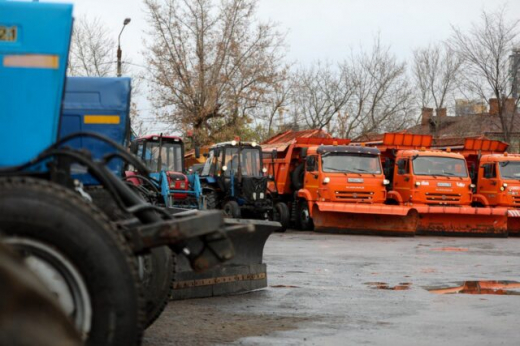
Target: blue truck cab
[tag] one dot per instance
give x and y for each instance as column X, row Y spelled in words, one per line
column 102, row 106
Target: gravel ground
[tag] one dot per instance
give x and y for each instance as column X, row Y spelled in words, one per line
column 329, row 289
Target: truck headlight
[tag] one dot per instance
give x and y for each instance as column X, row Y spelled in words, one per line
column 386, row 182
column 503, row 187
column 326, row 180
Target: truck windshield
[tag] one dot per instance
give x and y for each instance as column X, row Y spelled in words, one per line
column 350, row 163
column 171, row 156
column 510, row 169
column 249, row 162
column 439, row 166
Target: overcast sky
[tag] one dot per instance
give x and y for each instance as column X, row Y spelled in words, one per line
column 323, row 29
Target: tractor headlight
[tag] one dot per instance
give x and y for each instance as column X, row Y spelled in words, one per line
column 326, row 180
column 472, row 186
column 233, row 142
column 261, row 195
column 224, row 168
column 254, row 196
column 386, row 182
column 254, row 144
column 417, row 184
column 503, row 187
column 264, row 169
column 183, row 185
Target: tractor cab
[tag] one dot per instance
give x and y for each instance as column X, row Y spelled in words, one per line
column 499, row 179
column 164, row 157
column 234, row 179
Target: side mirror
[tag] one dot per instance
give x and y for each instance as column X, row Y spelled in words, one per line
column 197, row 152
column 303, row 152
column 274, row 154
column 133, row 147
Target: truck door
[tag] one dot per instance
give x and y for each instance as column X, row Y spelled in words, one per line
column 488, row 184
column 402, row 178
column 311, row 180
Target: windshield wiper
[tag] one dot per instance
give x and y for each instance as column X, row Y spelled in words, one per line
column 337, row 169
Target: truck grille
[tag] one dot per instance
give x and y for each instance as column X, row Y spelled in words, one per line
column 355, row 196
column 516, row 200
column 443, row 198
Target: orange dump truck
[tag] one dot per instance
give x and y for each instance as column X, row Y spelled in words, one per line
column 495, row 174
column 438, row 186
column 330, row 185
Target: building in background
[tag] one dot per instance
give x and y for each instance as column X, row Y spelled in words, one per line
column 467, row 107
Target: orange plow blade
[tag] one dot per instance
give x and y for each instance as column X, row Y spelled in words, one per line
column 513, row 222
column 462, row 221
column 364, row 219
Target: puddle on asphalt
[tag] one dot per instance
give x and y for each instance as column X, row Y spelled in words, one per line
column 480, row 287
column 450, row 249
column 403, row 286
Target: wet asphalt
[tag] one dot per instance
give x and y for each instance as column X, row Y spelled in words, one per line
column 329, row 289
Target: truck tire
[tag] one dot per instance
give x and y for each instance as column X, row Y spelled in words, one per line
column 232, row 209
column 303, row 218
column 80, row 256
column 297, row 176
column 281, row 214
column 156, row 272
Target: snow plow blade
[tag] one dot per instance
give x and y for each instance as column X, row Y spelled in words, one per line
column 513, row 222
column 245, row 272
column 462, row 221
column 365, row 219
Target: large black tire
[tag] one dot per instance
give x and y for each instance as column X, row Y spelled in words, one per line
column 157, row 272
column 211, row 198
column 55, row 228
column 29, row 312
column 303, row 218
column 297, row 176
column 232, row 209
column 281, row 214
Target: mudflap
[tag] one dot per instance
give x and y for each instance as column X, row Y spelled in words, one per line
column 513, row 222
column 462, row 221
column 346, row 218
column 244, row 273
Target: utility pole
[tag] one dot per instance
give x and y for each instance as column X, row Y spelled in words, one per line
column 119, row 52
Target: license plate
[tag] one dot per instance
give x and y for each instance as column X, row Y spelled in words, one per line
column 444, row 184
column 355, row 180
column 8, row 33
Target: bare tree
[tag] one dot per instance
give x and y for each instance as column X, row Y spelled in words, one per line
column 210, row 64
column 92, row 51
column 485, row 51
column 319, row 94
column 381, row 96
column 436, row 71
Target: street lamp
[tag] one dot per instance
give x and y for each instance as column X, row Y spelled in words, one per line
column 119, row 53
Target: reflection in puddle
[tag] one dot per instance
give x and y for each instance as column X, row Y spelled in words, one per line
column 403, row 286
column 480, row 287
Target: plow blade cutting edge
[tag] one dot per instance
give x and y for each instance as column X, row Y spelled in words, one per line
column 462, row 221
column 365, row 219
column 513, row 222
column 244, row 273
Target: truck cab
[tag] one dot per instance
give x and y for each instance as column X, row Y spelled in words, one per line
column 498, row 180
column 344, row 174
column 431, row 177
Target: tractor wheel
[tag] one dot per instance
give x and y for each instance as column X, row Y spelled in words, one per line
column 30, row 314
column 303, row 218
column 232, row 209
column 156, row 272
column 79, row 255
column 297, row 176
column 211, row 199
column 281, row 215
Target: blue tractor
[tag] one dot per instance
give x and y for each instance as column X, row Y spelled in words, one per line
column 86, row 258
